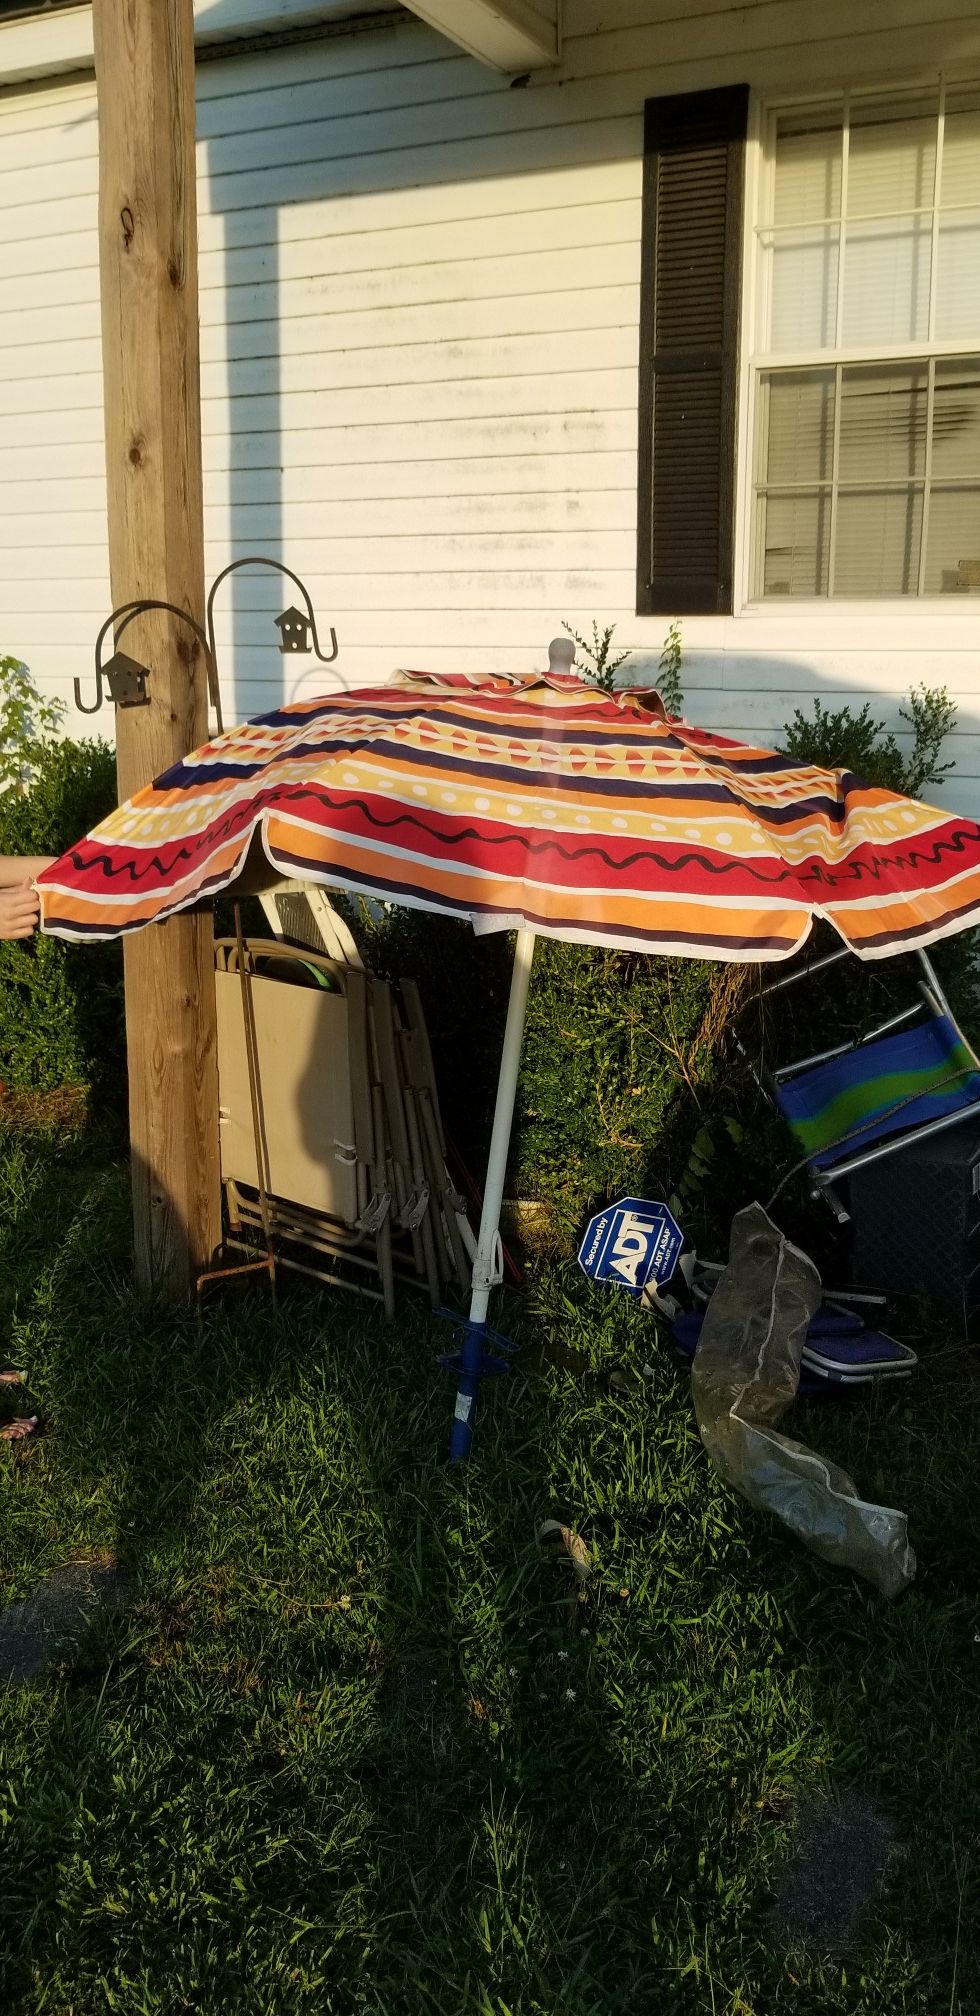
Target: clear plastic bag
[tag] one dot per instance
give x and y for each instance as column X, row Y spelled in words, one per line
column 745, row 1376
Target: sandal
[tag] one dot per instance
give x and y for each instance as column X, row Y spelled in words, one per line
column 20, row 1430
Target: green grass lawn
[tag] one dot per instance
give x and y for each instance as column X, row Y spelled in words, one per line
column 356, row 1747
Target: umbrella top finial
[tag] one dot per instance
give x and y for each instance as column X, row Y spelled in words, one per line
column 561, row 656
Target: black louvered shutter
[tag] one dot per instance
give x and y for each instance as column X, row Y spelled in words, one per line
column 693, row 182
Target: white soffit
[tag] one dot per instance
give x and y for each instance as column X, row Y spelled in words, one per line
column 512, row 35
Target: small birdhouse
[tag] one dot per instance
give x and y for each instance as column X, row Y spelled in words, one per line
column 294, row 630
column 126, row 679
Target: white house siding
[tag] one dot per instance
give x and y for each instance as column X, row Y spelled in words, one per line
column 419, row 305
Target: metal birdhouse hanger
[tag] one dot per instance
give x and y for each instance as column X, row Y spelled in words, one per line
column 125, row 678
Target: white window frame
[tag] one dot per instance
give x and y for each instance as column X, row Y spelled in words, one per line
column 759, row 189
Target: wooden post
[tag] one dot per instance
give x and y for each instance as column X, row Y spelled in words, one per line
column 144, row 61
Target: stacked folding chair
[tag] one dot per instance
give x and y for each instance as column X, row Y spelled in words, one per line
column 332, row 1148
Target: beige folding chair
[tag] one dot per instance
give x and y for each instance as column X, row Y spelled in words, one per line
column 302, row 913
column 301, row 1120
column 332, row 1151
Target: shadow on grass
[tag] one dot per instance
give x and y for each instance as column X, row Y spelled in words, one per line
column 359, row 1748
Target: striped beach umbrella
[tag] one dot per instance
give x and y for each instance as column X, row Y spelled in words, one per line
column 543, row 804
column 540, row 805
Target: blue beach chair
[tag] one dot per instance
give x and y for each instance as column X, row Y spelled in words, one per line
column 856, row 1102
column 840, row 1351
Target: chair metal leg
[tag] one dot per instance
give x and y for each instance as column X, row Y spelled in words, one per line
column 883, row 1148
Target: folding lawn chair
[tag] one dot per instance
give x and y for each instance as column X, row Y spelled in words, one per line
column 302, row 914
column 855, row 1103
column 301, row 1124
column 840, row 1351
column 329, row 1125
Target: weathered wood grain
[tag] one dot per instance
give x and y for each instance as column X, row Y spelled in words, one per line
column 148, row 261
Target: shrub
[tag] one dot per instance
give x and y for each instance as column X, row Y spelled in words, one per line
column 669, row 671
column 61, row 1013
column 931, row 715
column 849, row 740
column 597, row 664
column 28, row 723
column 613, row 1075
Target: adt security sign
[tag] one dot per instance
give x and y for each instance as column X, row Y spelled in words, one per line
column 633, row 1242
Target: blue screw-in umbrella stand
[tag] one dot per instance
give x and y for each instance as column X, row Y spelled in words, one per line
column 472, row 1362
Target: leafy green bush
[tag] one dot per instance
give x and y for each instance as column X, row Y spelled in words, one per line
column 596, row 663
column 61, row 1014
column 669, row 683
column 610, row 1077
column 849, row 740
column 28, row 722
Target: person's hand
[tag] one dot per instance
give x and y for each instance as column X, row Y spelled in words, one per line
column 20, row 909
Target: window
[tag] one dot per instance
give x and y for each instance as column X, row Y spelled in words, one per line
column 866, row 367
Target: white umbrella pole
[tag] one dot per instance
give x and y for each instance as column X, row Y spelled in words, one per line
column 487, row 1266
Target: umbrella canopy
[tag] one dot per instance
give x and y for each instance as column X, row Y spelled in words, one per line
column 541, row 804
